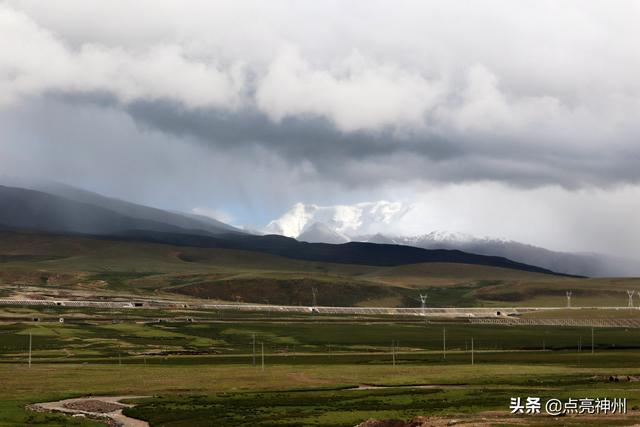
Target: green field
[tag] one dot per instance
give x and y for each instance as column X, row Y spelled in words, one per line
column 199, row 372
column 199, row 367
column 207, row 394
column 289, row 342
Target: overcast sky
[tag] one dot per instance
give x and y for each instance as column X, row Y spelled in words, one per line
column 509, row 119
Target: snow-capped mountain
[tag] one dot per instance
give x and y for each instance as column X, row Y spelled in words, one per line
column 581, row 264
column 371, row 222
column 319, row 232
column 348, row 220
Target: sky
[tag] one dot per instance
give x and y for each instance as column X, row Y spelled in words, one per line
column 517, row 120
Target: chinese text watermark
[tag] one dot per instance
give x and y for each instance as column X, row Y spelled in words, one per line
column 535, row 405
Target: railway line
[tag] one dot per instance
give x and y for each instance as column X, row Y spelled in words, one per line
column 487, row 314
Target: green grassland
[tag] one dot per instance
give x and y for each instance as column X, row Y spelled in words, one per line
column 198, row 367
column 203, row 373
column 287, row 342
column 198, row 372
column 68, row 266
column 315, row 394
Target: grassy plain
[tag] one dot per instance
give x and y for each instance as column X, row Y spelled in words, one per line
column 202, row 372
column 287, row 341
column 207, row 394
column 35, row 265
column 195, row 373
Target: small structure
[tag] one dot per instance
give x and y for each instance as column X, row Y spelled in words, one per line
column 423, row 301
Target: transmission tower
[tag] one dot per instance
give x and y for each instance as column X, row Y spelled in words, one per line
column 568, row 298
column 423, row 301
column 314, row 292
column 630, row 292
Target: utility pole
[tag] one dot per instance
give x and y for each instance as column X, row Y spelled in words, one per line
column 568, row 293
column 254, row 350
column 393, row 353
column 262, row 345
column 592, row 340
column 314, row 291
column 444, row 343
column 580, row 343
column 472, row 351
column 30, row 340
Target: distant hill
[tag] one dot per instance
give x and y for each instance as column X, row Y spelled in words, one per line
column 358, row 253
column 88, row 213
column 371, row 222
column 91, row 214
column 187, row 221
column 584, row 264
column 111, row 267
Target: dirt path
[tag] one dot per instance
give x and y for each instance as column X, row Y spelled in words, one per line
column 106, row 408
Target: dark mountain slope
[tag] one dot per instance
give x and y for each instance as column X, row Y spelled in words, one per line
column 347, row 253
column 134, row 210
column 35, row 210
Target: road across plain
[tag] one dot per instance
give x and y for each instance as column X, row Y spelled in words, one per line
column 455, row 312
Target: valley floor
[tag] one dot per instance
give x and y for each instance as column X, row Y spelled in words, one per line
column 316, row 373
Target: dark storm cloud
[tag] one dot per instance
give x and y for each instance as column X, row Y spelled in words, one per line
column 356, row 106
column 389, row 155
column 295, row 139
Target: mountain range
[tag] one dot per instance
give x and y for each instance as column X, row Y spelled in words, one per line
column 59, row 209
column 367, row 222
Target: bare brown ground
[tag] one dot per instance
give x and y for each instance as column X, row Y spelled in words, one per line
column 103, row 408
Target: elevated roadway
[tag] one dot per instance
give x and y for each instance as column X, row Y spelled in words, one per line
column 453, row 312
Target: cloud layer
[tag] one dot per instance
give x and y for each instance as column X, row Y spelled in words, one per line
column 256, row 106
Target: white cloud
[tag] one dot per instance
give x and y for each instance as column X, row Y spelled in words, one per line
column 35, row 61
column 354, row 94
column 351, row 220
column 500, row 67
